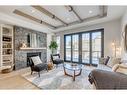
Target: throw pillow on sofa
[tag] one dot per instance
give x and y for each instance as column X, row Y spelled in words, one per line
column 115, row 67
column 121, row 68
column 113, row 61
column 104, row 60
column 123, row 61
column 107, row 60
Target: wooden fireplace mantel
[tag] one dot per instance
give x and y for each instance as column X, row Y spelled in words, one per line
column 30, row 48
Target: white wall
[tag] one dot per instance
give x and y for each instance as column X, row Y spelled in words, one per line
column 123, row 24
column 111, row 32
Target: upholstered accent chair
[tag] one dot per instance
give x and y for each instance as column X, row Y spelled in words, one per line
column 36, row 65
column 56, row 59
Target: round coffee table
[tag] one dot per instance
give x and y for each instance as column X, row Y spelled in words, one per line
column 73, row 67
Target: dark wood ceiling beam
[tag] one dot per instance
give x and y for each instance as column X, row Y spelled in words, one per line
column 20, row 13
column 41, row 9
column 103, row 10
column 71, row 9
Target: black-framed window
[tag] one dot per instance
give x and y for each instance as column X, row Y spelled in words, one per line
column 84, row 47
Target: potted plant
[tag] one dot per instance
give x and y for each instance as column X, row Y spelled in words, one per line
column 53, row 46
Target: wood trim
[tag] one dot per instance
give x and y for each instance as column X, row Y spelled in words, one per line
column 20, row 13
column 30, row 48
column 71, row 9
column 101, row 8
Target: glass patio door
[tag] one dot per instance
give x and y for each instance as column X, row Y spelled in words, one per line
column 75, row 48
column 68, row 48
column 85, row 47
column 96, row 47
column 72, row 48
column 91, row 47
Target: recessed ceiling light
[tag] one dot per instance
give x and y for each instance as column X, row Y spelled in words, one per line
column 90, row 12
column 68, row 19
column 32, row 11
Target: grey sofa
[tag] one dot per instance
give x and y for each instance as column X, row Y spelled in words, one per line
column 104, row 77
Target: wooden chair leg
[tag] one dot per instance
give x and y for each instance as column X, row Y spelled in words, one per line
column 39, row 74
column 47, row 69
column 31, row 72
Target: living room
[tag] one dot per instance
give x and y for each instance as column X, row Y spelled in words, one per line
column 63, row 47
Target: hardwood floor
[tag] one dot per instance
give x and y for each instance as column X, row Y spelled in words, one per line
column 14, row 80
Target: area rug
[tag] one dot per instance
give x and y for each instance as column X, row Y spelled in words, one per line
column 55, row 79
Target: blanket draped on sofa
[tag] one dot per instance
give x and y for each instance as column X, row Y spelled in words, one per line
column 108, row 80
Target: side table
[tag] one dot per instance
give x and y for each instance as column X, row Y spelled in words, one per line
column 50, row 65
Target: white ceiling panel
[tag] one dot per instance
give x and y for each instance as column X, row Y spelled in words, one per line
column 87, row 11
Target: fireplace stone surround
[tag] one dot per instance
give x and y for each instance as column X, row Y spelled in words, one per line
column 20, row 56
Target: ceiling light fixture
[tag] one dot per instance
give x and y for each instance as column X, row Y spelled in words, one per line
column 90, row 12
column 68, row 19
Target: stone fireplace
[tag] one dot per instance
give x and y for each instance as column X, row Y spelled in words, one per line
column 20, row 56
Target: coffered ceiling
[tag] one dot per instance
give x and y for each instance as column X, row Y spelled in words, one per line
column 56, row 18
